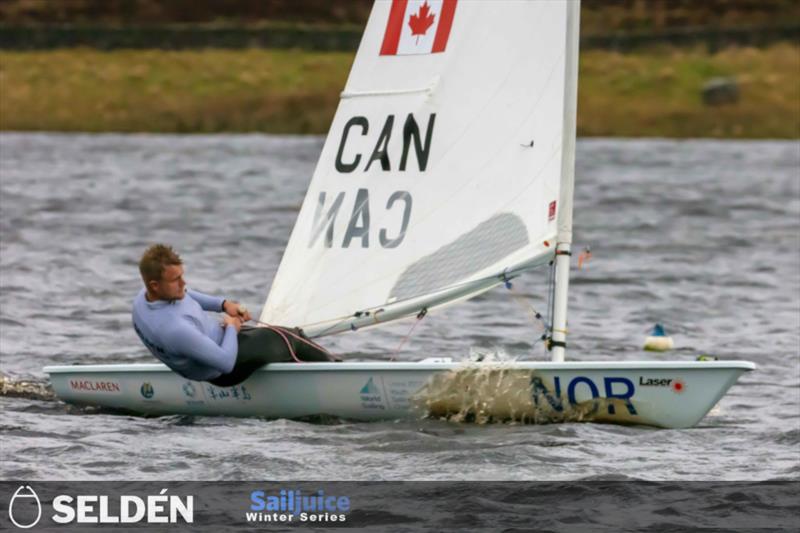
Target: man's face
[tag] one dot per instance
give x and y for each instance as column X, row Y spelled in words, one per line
column 171, row 285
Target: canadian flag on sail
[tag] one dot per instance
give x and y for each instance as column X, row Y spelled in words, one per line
column 418, row 27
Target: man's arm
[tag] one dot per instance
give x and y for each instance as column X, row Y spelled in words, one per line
column 213, row 303
column 207, row 302
column 186, row 340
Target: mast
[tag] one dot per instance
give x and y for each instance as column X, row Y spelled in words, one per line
column 558, row 341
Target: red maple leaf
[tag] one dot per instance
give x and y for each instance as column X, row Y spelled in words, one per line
column 420, row 22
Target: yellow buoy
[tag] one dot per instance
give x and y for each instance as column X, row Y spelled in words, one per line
column 658, row 341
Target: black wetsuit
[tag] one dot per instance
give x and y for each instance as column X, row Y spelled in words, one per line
column 261, row 346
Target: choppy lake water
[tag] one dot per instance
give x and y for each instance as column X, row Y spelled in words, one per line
column 702, row 236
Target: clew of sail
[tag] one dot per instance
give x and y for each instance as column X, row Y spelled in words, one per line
column 441, row 173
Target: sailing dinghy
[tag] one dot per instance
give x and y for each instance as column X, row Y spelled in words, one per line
column 448, row 170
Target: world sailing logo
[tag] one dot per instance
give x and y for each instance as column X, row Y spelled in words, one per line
column 371, row 396
column 31, row 495
column 369, row 388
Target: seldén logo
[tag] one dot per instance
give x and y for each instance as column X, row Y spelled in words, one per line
column 18, row 514
column 101, row 509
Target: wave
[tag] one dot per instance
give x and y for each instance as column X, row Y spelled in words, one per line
column 30, row 389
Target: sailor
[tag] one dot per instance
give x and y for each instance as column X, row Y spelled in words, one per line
column 172, row 322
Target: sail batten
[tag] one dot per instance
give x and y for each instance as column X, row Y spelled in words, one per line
column 442, row 165
column 388, row 92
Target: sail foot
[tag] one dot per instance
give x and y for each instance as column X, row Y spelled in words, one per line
column 412, row 306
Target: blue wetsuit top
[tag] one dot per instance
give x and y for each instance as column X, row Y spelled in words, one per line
column 182, row 336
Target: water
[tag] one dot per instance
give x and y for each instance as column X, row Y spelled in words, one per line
column 702, row 236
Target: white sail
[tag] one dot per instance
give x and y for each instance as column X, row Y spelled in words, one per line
column 442, row 168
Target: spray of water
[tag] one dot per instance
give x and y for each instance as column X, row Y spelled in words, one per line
column 20, row 388
column 488, row 389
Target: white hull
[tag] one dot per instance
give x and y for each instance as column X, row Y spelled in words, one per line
column 663, row 394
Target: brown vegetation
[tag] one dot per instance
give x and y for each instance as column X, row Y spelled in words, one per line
column 597, row 17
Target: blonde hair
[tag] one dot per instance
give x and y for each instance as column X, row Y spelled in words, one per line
column 155, row 259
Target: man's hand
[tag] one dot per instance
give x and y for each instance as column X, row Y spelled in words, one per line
column 232, row 321
column 236, row 310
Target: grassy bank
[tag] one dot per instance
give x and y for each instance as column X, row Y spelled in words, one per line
column 650, row 93
column 162, row 91
column 658, row 93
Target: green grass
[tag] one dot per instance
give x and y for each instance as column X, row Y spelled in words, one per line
column 649, row 93
column 160, row 91
column 657, row 93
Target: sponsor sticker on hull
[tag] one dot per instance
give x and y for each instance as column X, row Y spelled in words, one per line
column 370, row 396
column 95, row 386
column 238, row 393
column 401, row 391
column 147, row 391
column 191, row 395
column 677, row 385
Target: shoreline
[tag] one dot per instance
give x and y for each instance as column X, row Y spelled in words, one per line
column 322, row 136
column 652, row 93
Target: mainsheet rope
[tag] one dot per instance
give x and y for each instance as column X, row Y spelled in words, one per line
column 420, row 316
column 529, row 308
column 283, row 332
